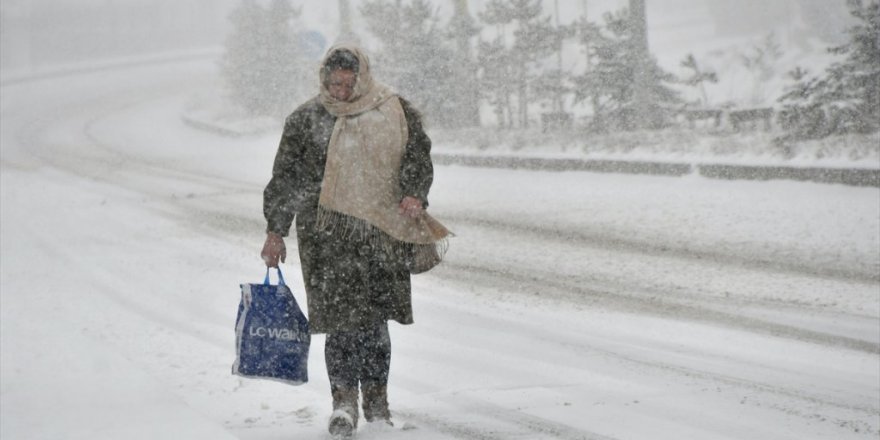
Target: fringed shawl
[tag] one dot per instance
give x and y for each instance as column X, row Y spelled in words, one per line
column 360, row 192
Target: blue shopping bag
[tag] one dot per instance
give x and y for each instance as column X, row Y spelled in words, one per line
column 272, row 334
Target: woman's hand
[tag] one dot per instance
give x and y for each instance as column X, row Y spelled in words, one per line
column 411, row 207
column 274, row 250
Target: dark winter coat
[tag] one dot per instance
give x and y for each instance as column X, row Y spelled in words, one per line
column 349, row 284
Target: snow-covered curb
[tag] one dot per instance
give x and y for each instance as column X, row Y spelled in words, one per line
column 847, row 176
column 700, row 145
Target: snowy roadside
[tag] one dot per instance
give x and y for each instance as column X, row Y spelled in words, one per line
column 849, row 160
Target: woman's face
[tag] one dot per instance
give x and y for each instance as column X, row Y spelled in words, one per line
column 341, row 84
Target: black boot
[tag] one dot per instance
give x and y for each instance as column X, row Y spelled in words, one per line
column 376, row 404
column 344, row 420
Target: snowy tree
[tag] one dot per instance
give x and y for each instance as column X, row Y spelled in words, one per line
column 551, row 86
column 262, row 65
column 495, row 81
column 418, row 57
column 698, row 77
column 801, row 116
column 462, row 31
column 495, row 63
column 846, row 98
column 520, row 64
column 852, row 87
column 761, row 61
column 588, row 34
column 611, row 81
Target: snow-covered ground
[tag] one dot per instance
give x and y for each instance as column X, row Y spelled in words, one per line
column 571, row 305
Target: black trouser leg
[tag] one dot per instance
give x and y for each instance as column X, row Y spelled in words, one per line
column 341, row 356
column 376, row 355
column 360, row 357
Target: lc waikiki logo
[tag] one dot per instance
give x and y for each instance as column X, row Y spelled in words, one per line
column 277, row 333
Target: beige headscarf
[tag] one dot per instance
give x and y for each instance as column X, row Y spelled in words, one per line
column 360, row 193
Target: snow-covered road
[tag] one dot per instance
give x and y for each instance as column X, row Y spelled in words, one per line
column 571, row 306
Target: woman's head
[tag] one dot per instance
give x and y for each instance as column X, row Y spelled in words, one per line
column 340, row 74
column 347, row 86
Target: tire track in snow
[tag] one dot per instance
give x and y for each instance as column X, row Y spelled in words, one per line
column 598, row 240
column 536, row 427
column 93, row 158
column 658, row 303
column 108, row 286
column 649, row 301
column 808, row 406
column 100, row 162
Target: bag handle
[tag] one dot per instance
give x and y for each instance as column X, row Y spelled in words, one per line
column 280, row 277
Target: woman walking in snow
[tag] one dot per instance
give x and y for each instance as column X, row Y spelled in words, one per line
column 354, row 168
